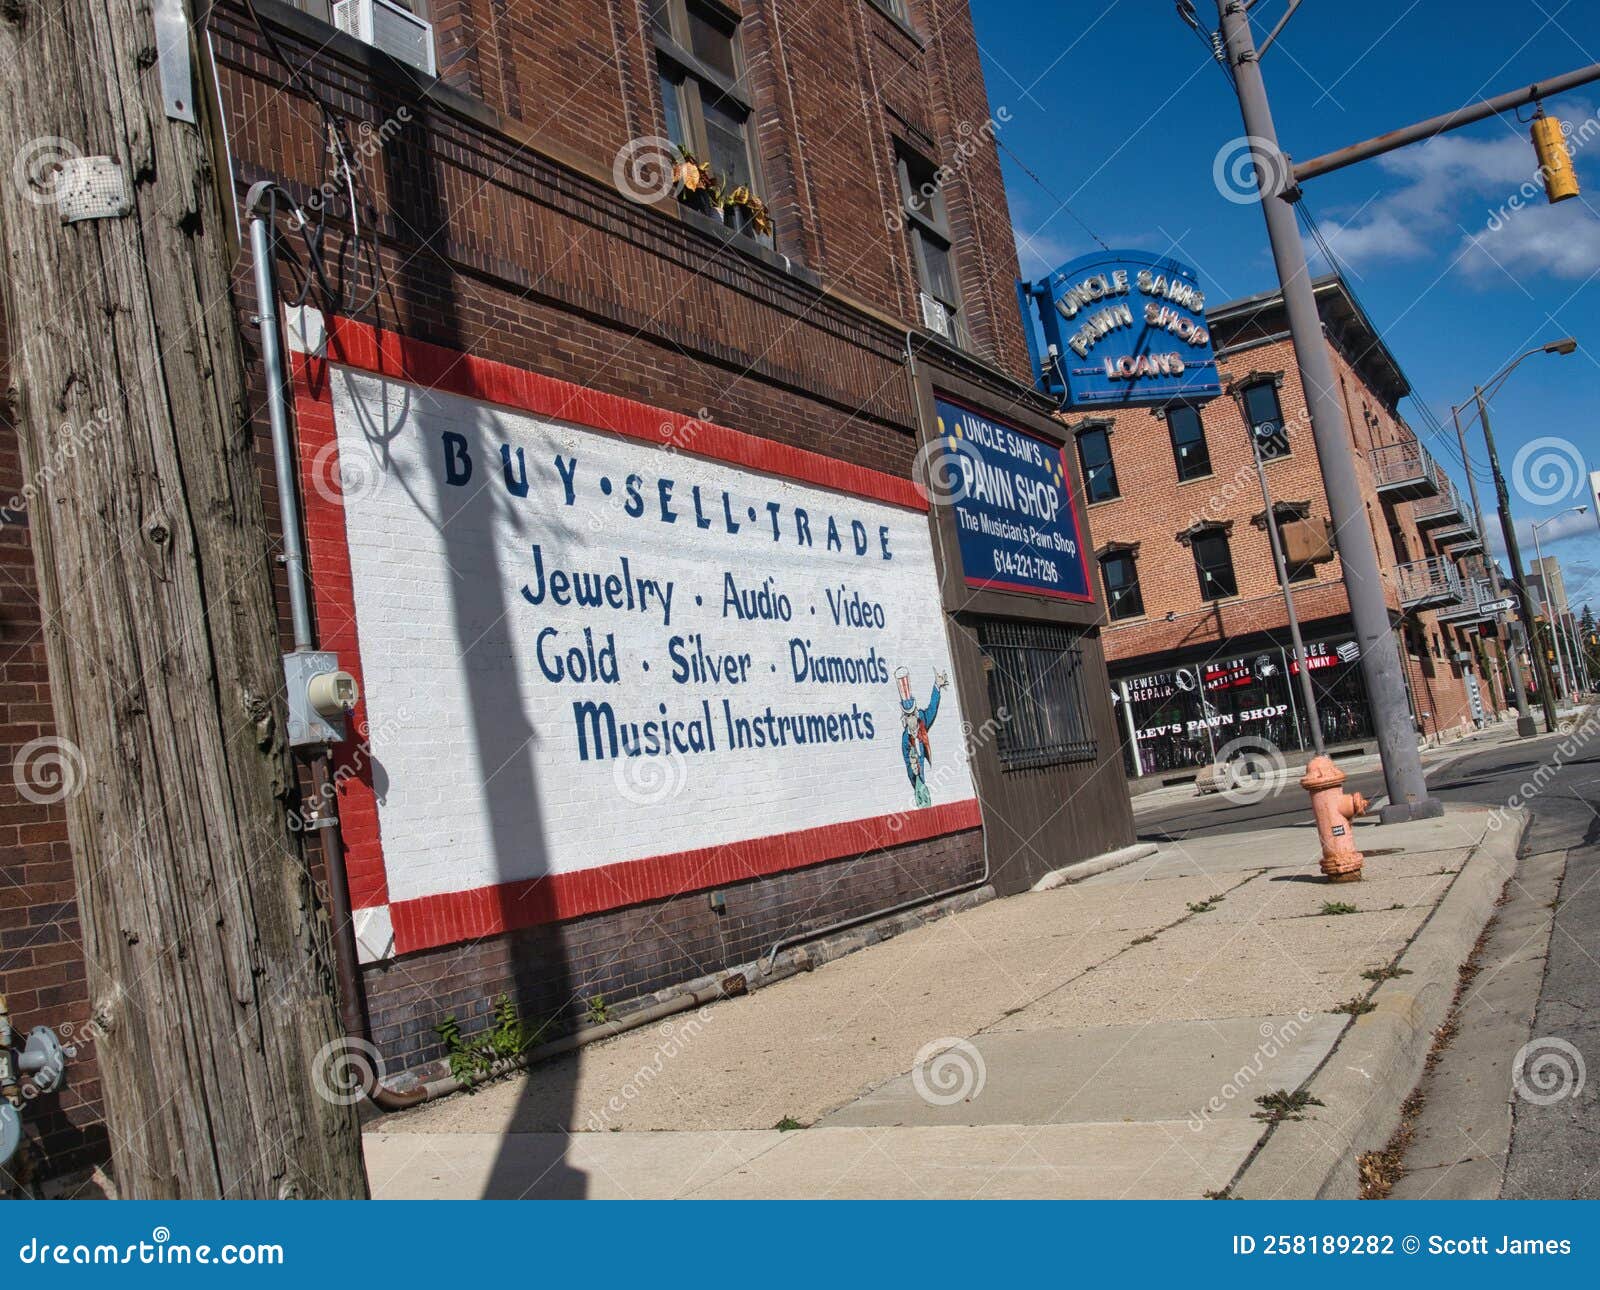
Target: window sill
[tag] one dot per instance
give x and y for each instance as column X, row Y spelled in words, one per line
column 1104, row 501
column 746, row 245
column 1198, row 479
column 904, row 27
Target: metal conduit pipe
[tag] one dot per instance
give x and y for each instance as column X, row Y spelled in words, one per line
column 346, row 959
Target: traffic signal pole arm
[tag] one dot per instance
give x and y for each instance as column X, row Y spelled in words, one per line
column 1375, row 147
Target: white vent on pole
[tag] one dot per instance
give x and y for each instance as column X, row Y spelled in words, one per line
column 396, row 31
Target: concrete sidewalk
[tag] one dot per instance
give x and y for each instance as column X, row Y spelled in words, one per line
column 1106, row 1039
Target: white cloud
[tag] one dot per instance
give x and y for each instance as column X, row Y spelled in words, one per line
column 1040, row 251
column 1479, row 200
column 1563, row 241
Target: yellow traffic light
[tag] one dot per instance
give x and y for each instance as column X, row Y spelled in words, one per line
column 1555, row 161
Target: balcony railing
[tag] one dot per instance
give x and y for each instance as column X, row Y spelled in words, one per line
column 1404, row 472
column 1430, row 584
column 1479, row 592
column 1441, row 510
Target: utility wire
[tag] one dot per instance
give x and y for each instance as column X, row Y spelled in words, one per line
column 1023, row 166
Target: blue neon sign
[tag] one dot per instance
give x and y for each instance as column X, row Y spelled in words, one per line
column 1120, row 329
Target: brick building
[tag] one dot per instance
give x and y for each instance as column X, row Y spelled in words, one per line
column 552, row 402
column 1186, row 559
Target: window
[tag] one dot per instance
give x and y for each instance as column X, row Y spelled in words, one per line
column 1213, row 562
column 1188, row 442
column 1037, row 693
column 704, row 107
column 895, row 9
column 1094, row 458
column 1121, row 578
column 400, row 28
column 922, row 200
column 1262, row 410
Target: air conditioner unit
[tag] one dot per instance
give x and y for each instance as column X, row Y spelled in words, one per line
column 396, row 31
column 935, row 317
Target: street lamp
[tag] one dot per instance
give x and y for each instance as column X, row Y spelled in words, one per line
column 1481, row 395
column 1549, row 604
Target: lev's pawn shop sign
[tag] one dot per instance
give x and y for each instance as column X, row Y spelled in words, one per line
column 1016, row 522
column 1119, row 328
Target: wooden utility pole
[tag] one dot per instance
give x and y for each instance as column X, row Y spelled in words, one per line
column 204, row 937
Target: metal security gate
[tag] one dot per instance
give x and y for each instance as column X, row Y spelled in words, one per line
column 1037, row 694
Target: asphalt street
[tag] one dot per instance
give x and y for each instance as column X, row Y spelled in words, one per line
column 1555, row 1146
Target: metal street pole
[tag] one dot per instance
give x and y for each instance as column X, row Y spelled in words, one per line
column 1573, row 634
column 1524, row 716
column 1380, row 655
column 1551, row 617
column 1313, row 719
column 1508, row 530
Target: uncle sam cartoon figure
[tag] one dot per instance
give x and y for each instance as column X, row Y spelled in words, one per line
column 914, row 736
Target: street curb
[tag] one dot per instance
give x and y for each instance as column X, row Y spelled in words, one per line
column 1093, row 865
column 1379, row 1057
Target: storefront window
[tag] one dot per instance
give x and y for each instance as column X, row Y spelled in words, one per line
column 1190, row 715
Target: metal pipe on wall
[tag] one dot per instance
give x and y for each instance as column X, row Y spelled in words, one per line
column 352, row 1000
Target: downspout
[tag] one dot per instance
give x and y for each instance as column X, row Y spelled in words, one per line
column 982, row 879
column 346, row 959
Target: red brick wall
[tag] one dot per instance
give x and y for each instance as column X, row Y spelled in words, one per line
column 41, row 952
column 1154, row 507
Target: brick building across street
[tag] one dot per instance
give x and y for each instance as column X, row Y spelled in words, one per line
column 623, row 504
column 1197, row 635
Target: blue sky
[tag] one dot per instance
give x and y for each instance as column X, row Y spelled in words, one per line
column 1117, row 108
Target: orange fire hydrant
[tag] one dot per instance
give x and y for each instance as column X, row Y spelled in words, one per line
column 1341, row 862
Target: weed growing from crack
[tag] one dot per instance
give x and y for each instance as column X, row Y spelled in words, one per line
column 1357, row 1007
column 1338, row 907
column 1281, row 1105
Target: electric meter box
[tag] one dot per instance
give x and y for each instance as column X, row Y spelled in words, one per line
column 321, row 696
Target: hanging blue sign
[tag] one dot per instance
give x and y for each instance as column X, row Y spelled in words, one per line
column 1011, row 491
column 1120, row 329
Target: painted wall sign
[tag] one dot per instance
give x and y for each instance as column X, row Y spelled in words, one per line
column 1011, row 492
column 593, row 662
column 1120, row 329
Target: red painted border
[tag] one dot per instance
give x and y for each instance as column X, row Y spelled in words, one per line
column 360, row 345
column 429, row 921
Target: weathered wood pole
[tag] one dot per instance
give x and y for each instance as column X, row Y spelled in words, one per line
column 205, row 941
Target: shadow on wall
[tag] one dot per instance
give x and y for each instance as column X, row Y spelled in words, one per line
column 531, row 970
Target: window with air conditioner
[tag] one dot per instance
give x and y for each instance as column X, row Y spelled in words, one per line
column 398, row 30
column 922, row 205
